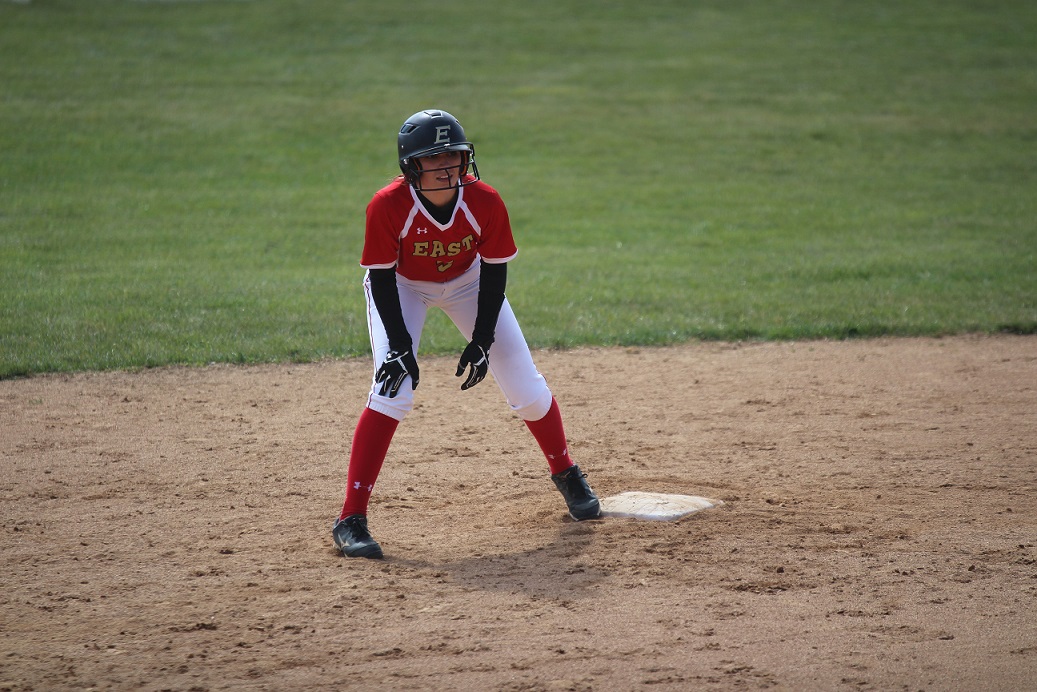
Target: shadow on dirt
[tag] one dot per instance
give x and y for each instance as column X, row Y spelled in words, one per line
column 557, row 570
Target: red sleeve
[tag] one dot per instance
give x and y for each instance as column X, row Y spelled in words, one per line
column 497, row 244
column 381, row 234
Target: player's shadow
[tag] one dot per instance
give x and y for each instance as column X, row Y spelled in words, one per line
column 559, row 569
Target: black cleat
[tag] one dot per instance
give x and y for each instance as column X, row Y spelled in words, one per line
column 353, row 538
column 581, row 500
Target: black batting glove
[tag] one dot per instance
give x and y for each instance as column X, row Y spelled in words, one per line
column 394, row 370
column 477, row 359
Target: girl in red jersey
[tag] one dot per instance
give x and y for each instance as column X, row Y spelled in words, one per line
column 438, row 236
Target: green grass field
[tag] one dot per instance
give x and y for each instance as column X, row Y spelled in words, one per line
column 185, row 182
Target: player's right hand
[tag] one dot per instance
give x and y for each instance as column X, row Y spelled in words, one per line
column 394, row 370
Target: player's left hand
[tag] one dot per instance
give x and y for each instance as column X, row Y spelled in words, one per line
column 477, row 358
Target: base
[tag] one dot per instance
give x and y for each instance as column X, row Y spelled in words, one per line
column 655, row 506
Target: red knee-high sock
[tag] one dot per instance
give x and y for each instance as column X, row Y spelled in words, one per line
column 371, row 441
column 550, row 435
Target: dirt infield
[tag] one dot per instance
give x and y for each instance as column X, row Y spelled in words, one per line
column 170, row 529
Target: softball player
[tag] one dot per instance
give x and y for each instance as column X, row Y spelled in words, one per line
column 437, row 236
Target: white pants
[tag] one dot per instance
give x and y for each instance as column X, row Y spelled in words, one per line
column 511, row 363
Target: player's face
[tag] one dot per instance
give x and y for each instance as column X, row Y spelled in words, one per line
column 440, row 171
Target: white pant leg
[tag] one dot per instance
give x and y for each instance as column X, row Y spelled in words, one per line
column 415, row 310
column 513, row 368
column 511, row 363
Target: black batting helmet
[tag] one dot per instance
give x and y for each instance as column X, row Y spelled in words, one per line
column 432, row 132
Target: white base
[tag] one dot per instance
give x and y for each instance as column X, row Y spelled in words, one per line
column 657, row 506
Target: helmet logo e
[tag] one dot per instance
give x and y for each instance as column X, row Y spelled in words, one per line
column 442, row 134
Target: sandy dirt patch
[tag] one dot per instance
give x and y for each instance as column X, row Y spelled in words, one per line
column 170, row 529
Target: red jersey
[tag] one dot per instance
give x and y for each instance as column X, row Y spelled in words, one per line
column 401, row 233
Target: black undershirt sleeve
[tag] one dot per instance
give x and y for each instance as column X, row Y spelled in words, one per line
column 493, row 279
column 387, row 300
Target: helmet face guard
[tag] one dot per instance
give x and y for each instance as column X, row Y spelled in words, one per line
column 417, row 168
column 432, row 132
